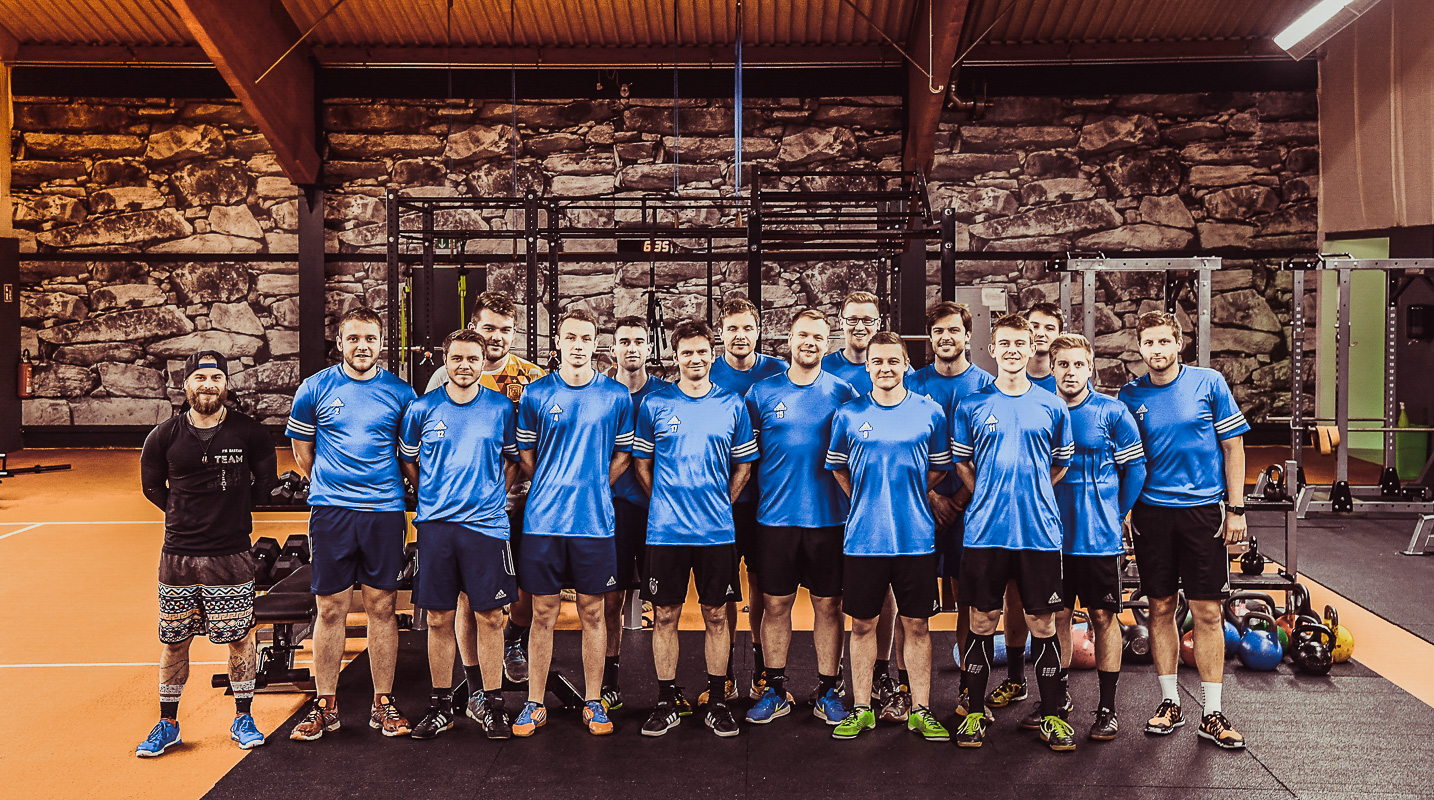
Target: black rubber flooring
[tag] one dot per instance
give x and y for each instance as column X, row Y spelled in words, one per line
column 1359, row 557
column 1349, row 735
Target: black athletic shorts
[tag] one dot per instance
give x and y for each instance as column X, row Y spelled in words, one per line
column 631, row 542
column 1037, row 573
column 749, row 534
column 1181, row 548
column 1095, row 580
column 866, row 579
column 667, row 568
column 793, row 556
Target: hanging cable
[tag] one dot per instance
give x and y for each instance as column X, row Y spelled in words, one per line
column 737, row 111
column 676, row 126
column 513, row 87
column 448, row 49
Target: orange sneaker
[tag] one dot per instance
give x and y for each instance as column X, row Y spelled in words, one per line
column 385, row 716
column 323, row 717
column 595, row 717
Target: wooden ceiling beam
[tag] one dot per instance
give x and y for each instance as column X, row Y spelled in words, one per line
column 933, row 44
column 9, row 45
column 243, row 42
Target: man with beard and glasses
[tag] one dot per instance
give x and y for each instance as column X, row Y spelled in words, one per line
column 494, row 320
column 460, row 451
column 206, row 469
column 344, row 428
column 631, row 349
column 800, row 516
column 737, row 370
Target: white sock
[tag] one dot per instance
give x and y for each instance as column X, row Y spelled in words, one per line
column 1169, row 689
column 1212, row 697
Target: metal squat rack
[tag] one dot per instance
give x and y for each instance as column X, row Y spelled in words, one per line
column 1389, row 497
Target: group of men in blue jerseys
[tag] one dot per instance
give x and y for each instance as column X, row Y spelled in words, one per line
column 845, row 472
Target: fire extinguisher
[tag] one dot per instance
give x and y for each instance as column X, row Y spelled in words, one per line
column 25, row 376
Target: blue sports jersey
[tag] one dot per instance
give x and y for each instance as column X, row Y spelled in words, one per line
column 575, row 430
column 738, row 382
column 1182, row 424
column 854, row 374
column 1048, row 382
column 1013, row 442
column 1108, row 454
column 693, row 443
column 626, row 487
column 793, row 428
column 947, row 391
column 354, row 428
column 460, row 450
column 888, row 450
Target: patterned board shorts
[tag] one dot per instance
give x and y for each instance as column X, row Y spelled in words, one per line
column 205, row 595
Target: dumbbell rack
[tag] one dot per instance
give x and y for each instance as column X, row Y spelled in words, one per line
column 1281, row 580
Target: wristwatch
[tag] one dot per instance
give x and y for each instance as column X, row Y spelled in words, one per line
column 1238, row 511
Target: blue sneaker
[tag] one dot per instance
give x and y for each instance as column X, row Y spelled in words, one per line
column 245, row 732
column 831, row 707
column 768, row 707
column 164, row 736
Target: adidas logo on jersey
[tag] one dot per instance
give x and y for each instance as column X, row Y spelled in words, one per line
column 992, row 422
column 1055, row 597
column 672, row 425
column 612, row 581
column 338, row 403
column 865, row 430
column 652, row 585
column 1141, row 412
column 729, row 590
column 441, row 428
column 555, row 411
column 781, row 410
column 500, row 595
column 1226, row 587
column 1108, row 598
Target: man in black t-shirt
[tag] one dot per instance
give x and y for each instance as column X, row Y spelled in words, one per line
column 206, row 468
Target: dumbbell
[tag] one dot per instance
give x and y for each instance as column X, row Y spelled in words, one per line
column 290, row 483
column 264, row 552
column 294, row 555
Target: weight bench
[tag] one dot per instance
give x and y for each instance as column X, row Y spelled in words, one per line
column 289, row 610
column 1416, row 548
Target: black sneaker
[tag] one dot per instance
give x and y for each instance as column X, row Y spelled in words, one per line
column 1217, row 729
column 885, row 688
column 972, row 730
column 436, row 721
column 492, row 718
column 662, row 719
column 1167, row 718
column 1105, row 726
column 1058, row 734
column 720, row 720
column 1032, row 721
column 515, row 661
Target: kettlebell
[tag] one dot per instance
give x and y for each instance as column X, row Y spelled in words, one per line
column 1343, row 639
column 1271, row 484
column 1082, row 643
column 1232, row 639
column 1187, row 649
column 1260, row 648
column 1136, row 646
column 1312, row 650
column 1241, row 603
column 1251, row 562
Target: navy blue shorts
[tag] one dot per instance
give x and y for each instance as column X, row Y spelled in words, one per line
column 949, row 543
column 454, row 558
column 348, row 547
column 549, row 564
column 631, row 542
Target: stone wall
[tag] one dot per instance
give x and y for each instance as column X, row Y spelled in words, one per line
column 176, row 176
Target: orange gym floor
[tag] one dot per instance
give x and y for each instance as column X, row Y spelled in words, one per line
column 78, row 649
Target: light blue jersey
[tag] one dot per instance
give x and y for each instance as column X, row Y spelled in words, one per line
column 889, row 450
column 738, row 382
column 1103, row 478
column 947, row 391
column 460, row 450
column 1182, row 424
column 854, row 374
column 1048, row 382
column 1013, row 442
column 693, row 443
column 575, row 431
column 354, row 428
column 793, row 428
column 626, row 487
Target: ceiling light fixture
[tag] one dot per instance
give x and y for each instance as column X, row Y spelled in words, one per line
column 1319, row 25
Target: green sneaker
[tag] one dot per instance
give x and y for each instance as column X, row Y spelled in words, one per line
column 860, row 719
column 922, row 721
column 972, row 732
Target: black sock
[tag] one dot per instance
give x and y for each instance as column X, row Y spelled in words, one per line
column 169, row 710
column 731, row 660
column 716, row 689
column 976, row 669
column 666, row 691
column 902, row 678
column 1108, row 680
column 515, row 633
column 826, row 683
column 777, row 680
column 609, row 671
column 474, row 676
column 441, row 698
column 1048, row 674
column 759, row 665
column 244, row 705
column 1016, row 661
column 883, row 667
